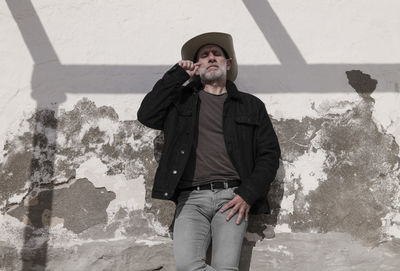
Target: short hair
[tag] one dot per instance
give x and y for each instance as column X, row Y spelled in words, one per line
column 197, row 52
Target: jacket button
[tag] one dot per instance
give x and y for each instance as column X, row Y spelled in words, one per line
column 166, row 194
column 174, row 172
column 182, row 151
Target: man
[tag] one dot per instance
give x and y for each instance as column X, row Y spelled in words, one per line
column 220, row 152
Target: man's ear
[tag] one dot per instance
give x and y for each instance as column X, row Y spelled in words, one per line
column 228, row 64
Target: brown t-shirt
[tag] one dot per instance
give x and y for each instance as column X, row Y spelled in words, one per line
column 212, row 160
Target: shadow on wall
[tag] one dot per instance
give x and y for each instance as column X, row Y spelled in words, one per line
column 262, row 226
column 51, row 81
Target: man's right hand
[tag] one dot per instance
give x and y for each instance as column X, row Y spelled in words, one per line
column 190, row 67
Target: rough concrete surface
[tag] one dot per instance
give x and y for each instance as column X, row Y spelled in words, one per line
column 86, row 207
column 352, row 185
column 332, row 251
column 286, row 251
column 349, row 178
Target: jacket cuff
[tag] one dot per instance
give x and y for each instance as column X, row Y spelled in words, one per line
column 178, row 74
column 246, row 194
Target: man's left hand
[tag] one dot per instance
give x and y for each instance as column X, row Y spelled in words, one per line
column 237, row 204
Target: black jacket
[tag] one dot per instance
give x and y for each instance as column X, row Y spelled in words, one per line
column 250, row 139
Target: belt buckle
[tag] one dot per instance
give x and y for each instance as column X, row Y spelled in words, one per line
column 212, row 187
column 226, row 185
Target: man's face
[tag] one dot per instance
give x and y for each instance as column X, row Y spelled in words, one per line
column 213, row 64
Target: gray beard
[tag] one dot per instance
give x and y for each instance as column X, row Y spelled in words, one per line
column 213, row 76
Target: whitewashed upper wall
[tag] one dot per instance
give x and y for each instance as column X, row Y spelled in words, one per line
column 131, row 34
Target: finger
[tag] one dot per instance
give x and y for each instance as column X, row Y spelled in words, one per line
column 246, row 217
column 187, row 65
column 239, row 218
column 196, row 70
column 231, row 213
column 197, row 64
column 226, row 206
column 231, row 203
column 191, row 66
column 184, row 64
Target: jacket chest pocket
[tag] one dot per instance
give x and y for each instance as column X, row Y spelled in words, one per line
column 246, row 126
column 184, row 117
column 184, row 109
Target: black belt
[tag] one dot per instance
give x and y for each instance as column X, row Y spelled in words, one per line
column 213, row 185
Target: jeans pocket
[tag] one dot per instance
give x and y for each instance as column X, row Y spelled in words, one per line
column 228, row 194
column 232, row 189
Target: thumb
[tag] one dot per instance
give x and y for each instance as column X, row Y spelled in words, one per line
column 196, row 68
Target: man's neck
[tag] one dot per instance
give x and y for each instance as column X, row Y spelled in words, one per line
column 216, row 88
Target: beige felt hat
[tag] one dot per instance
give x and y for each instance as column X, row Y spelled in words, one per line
column 223, row 40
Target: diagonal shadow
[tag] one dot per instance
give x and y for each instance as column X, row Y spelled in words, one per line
column 294, row 75
column 51, row 81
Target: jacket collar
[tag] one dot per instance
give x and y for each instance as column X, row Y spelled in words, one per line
column 233, row 92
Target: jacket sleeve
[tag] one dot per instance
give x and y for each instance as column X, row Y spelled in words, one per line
column 155, row 105
column 266, row 161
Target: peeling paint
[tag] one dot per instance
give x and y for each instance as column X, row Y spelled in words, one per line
column 357, row 174
column 310, row 169
column 92, row 144
column 283, row 228
column 332, row 165
column 296, row 136
column 86, row 207
column 362, row 83
column 386, row 113
column 130, row 194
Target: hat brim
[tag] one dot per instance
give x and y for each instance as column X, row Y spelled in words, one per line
column 223, row 40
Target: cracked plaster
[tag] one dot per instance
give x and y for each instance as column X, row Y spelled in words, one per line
column 348, row 154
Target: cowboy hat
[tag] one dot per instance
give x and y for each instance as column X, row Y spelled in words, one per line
column 223, row 40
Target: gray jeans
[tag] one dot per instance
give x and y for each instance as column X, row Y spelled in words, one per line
column 198, row 220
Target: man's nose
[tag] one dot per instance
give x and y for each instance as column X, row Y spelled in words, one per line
column 211, row 57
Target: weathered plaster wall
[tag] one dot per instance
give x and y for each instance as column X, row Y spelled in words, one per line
column 76, row 166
